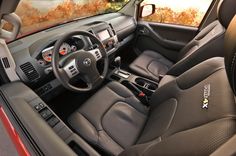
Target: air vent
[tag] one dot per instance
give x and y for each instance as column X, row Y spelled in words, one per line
column 91, row 31
column 114, row 32
column 29, row 71
column 6, row 62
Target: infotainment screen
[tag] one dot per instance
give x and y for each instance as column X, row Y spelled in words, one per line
column 103, row 35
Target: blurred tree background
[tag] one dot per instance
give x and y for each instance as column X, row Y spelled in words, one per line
column 115, row 5
column 190, row 17
column 34, row 18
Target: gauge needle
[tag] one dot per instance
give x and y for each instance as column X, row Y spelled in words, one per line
column 63, row 52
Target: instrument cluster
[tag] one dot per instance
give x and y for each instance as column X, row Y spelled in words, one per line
column 70, row 46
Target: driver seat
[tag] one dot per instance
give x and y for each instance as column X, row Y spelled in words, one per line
column 193, row 114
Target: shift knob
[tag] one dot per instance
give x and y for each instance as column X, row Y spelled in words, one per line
column 117, row 62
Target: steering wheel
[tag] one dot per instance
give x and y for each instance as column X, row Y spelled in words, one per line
column 80, row 64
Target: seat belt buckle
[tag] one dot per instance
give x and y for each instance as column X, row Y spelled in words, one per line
column 141, row 94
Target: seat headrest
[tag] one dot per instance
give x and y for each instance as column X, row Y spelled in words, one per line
column 226, row 11
column 230, row 53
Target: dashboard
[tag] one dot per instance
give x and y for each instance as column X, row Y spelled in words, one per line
column 32, row 54
column 71, row 45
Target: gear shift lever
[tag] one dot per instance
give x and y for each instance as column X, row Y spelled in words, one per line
column 117, row 62
column 121, row 73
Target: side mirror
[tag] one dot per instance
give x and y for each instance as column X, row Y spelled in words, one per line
column 147, row 10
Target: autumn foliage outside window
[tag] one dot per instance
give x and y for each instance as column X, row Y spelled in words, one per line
column 40, row 14
column 179, row 12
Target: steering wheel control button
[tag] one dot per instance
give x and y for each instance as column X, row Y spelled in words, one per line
column 71, row 69
column 46, row 113
column 96, row 53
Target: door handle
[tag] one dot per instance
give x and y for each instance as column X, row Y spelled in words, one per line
column 143, row 31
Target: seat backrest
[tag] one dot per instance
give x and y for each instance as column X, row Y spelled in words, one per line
column 211, row 33
column 208, row 43
column 230, row 53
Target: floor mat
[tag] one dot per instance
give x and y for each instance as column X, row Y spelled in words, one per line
column 67, row 103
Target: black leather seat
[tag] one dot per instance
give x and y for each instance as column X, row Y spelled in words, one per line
column 207, row 44
column 192, row 114
column 111, row 120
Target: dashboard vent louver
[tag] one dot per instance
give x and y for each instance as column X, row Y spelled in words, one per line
column 91, row 31
column 6, row 62
column 29, row 71
column 114, row 32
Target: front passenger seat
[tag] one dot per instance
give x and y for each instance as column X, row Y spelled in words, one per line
column 207, row 44
column 193, row 114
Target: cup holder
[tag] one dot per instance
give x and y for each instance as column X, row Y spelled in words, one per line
column 146, row 84
column 152, row 87
column 140, row 82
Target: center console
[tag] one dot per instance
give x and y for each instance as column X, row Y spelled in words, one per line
column 107, row 35
column 137, row 84
column 142, row 87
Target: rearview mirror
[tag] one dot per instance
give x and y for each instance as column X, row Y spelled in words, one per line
column 147, row 10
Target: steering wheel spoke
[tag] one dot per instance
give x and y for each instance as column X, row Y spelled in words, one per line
column 96, row 53
column 93, row 81
column 71, row 69
column 64, row 76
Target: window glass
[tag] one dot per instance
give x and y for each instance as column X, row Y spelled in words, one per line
column 40, row 14
column 180, row 12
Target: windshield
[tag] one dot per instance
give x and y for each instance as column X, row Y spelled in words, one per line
column 41, row 14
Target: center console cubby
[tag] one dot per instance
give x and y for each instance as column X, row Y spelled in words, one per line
column 146, row 84
column 127, row 79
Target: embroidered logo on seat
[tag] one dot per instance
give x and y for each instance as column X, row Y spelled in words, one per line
column 206, row 95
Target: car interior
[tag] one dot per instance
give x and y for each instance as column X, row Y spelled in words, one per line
column 114, row 84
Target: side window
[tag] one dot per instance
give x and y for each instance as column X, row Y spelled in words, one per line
column 179, row 12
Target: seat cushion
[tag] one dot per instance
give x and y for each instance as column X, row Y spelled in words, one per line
column 111, row 120
column 151, row 64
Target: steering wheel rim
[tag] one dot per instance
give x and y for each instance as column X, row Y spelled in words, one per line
column 83, row 61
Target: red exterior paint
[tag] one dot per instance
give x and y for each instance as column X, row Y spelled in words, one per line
column 20, row 147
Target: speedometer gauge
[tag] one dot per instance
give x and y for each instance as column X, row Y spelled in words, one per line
column 65, row 49
column 47, row 54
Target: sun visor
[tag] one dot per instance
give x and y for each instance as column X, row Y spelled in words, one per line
column 8, row 6
column 7, row 9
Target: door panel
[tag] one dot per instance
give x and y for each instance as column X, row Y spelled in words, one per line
column 173, row 24
column 165, row 39
column 175, row 33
